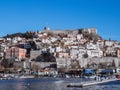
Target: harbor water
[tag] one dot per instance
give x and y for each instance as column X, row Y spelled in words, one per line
column 53, row 84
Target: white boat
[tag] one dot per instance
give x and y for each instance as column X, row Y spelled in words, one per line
column 26, row 76
column 92, row 77
column 67, row 76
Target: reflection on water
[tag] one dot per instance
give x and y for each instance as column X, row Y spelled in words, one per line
column 52, row 84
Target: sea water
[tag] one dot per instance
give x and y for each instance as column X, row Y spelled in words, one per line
column 53, row 84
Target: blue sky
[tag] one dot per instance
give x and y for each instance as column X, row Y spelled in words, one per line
column 26, row 15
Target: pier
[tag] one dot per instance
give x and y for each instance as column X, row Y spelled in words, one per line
column 89, row 83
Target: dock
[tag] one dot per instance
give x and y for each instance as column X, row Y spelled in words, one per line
column 89, row 83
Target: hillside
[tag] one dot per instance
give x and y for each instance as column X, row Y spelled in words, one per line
column 86, row 34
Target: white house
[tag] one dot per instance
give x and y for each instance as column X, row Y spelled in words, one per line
column 109, row 43
column 58, row 49
column 79, row 36
column 81, row 53
column 92, row 46
column 74, row 53
column 94, row 53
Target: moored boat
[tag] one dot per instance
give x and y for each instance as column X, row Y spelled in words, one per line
column 26, row 76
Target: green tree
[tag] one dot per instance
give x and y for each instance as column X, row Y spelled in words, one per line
column 7, row 63
column 85, row 55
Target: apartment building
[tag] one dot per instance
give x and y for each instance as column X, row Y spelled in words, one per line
column 15, row 53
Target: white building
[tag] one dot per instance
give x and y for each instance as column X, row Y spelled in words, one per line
column 52, row 50
column 81, row 53
column 53, row 39
column 94, row 53
column 100, row 43
column 79, row 36
column 17, row 39
column 74, row 53
column 58, row 49
column 109, row 43
column 91, row 46
column 46, row 41
column 63, row 62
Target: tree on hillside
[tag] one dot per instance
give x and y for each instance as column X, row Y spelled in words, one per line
column 46, row 57
column 85, row 55
column 7, row 63
column 79, row 31
column 75, row 64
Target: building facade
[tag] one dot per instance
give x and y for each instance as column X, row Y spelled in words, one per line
column 15, row 53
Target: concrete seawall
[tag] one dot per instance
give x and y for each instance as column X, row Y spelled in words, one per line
column 83, row 84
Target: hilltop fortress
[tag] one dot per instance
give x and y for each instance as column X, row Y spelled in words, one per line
column 89, row 30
